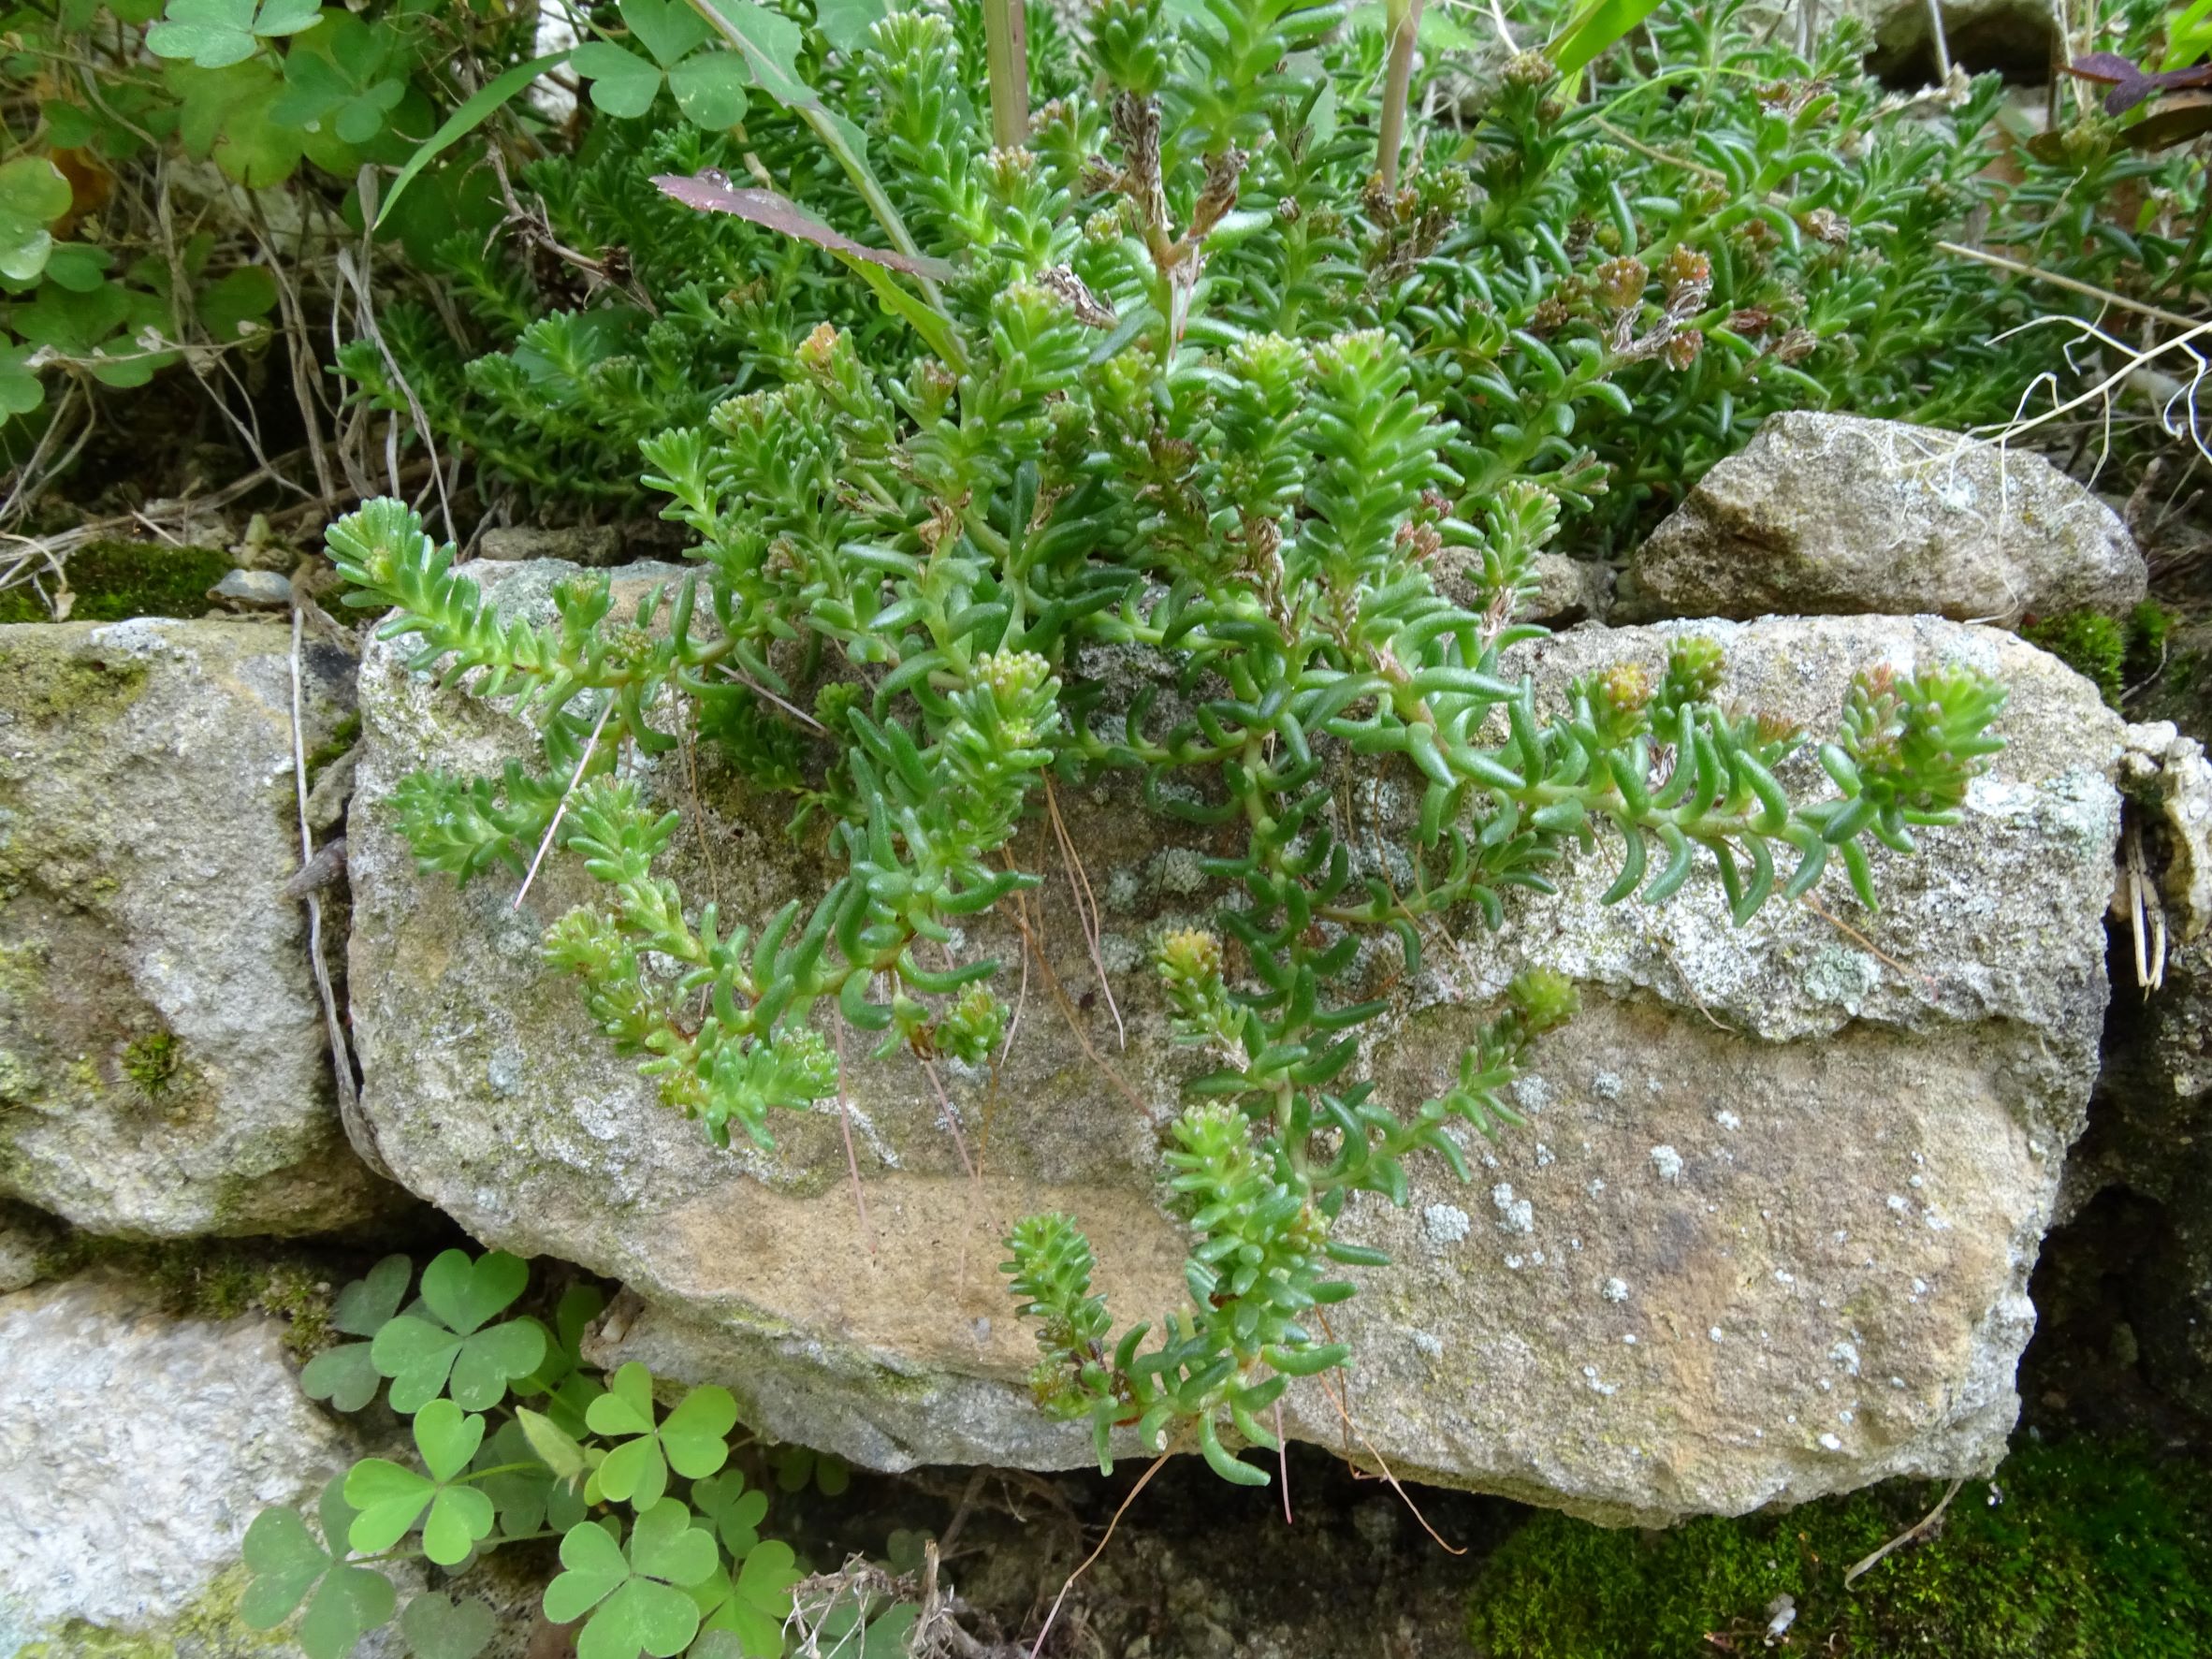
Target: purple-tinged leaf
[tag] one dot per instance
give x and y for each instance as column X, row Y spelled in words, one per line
column 709, row 191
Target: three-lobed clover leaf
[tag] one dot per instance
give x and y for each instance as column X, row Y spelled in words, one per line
column 694, row 1440
column 752, row 1606
column 442, row 1344
column 709, row 84
column 216, row 34
column 529, row 1489
column 392, row 1498
column 734, row 1511
column 345, row 1375
column 638, row 1599
column 287, row 1566
column 437, row 1626
column 561, row 1378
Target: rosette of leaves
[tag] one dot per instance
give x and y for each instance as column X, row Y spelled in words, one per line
column 1195, row 403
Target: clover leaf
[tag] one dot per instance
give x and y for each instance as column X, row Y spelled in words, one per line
column 33, row 195
column 560, row 1376
column 215, row 34
column 287, row 1565
column 733, row 1511
column 392, row 1498
column 345, row 1375
column 709, row 85
column 845, row 24
column 638, row 1600
column 442, row 1339
column 19, row 390
column 753, row 1605
column 438, row 1627
column 694, row 1439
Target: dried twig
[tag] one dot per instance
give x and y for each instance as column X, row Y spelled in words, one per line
column 561, row 811
column 1918, row 1529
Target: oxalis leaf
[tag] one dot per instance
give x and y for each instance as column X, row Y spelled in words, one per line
column 422, row 1352
column 287, row 1566
column 392, row 1498
column 694, row 1439
column 438, row 1627
column 637, row 1599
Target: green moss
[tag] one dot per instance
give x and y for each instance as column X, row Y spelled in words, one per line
column 2074, row 1551
column 151, row 1062
column 114, row 580
column 2089, row 643
column 341, row 739
column 208, row 1629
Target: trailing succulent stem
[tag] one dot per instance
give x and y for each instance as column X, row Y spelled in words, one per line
column 1189, row 407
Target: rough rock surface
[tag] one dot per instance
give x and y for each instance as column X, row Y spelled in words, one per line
column 2010, row 35
column 162, row 1059
column 1765, row 1235
column 134, row 1451
column 1836, row 514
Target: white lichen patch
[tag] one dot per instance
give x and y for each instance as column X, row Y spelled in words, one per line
column 1515, row 1215
column 1444, row 1224
column 1668, row 1162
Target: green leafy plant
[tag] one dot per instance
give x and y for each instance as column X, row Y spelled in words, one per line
column 1184, row 391
column 659, row 1533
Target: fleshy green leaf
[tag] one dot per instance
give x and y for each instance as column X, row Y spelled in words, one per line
column 554, row 1445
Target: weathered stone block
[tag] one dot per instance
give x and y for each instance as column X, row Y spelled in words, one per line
column 163, row 1067
column 1765, row 1235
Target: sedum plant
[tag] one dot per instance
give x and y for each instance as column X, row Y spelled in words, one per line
column 1159, row 402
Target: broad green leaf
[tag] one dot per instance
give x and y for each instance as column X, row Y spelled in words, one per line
column 474, row 112
column 734, row 1511
column 665, row 28
column 68, row 127
column 760, row 1600
column 32, row 188
column 238, row 298
column 226, row 114
column 710, row 88
column 20, row 390
column 286, row 1563
column 622, row 83
column 24, row 248
column 1595, row 27
column 634, row 1472
column 390, row 1498
column 695, row 1437
column 665, row 1545
column 286, row 17
column 466, row 1293
column 521, row 1495
column 490, row 1359
column 845, row 24
column 438, row 1627
column 77, row 267
column 447, row 1437
column 459, row 1517
column 595, row 1569
column 345, row 1606
column 213, row 33
column 364, row 1305
column 641, row 1616
column 344, row 1375
column 627, row 1406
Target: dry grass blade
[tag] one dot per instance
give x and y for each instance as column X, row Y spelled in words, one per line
column 358, row 1131
column 1918, row 1529
column 1086, row 907
column 561, row 811
column 1143, row 1480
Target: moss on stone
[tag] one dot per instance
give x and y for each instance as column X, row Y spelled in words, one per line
column 342, row 738
column 114, row 580
column 2089, row 643
column 210, row 1628
column 2073, row 1551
